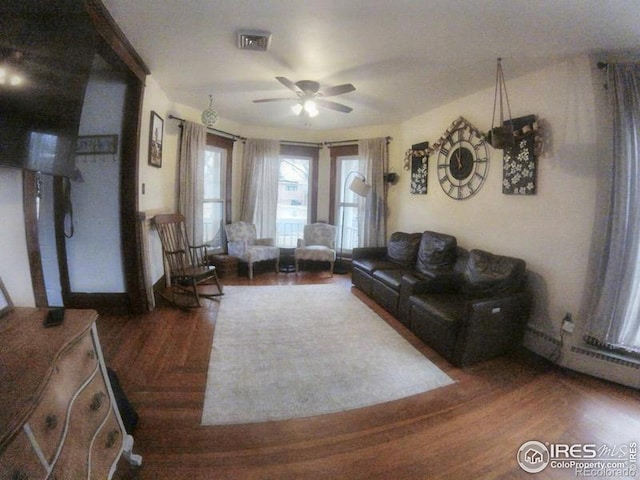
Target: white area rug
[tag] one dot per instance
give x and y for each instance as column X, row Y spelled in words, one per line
column 291, row 351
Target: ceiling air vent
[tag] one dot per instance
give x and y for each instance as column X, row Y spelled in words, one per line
column 254, row 40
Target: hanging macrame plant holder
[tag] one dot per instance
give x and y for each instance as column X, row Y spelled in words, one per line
column 501, row 135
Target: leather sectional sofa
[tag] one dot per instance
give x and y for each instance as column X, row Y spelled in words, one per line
column 468, row 306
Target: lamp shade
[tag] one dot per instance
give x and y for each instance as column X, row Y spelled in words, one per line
column 360, row 187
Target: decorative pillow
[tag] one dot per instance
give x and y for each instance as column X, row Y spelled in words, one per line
column 403, row 248
column 489, row 274
column 437, row 252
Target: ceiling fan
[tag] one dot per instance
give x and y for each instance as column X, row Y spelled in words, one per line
column 310, row 97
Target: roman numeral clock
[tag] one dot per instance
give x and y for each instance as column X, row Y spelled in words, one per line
column 463, row 160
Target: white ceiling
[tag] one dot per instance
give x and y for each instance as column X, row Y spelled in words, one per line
column 404, row 57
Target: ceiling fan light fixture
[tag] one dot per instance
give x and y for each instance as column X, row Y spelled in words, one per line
column 306, row 107
column 209, row 116
column 310, row 108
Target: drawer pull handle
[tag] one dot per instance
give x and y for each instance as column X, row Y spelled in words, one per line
column 96, row 402
column 112, row 438
column 51, row 421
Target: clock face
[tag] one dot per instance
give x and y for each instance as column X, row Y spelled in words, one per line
column 463, row 162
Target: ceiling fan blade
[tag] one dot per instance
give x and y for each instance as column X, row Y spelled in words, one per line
column 264, row 100
column 333, row 105
column 289, row 84
column 338, row 90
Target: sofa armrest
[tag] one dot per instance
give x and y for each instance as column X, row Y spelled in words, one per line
column 369, row 252
column 415, row 284
column 491, row 327
column 268, row 242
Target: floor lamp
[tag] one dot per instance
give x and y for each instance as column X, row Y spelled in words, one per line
column 360, row 187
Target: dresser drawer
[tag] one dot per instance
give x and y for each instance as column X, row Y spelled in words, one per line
column 88, row 413
column 74, row 367
column 106, row 448
column 20, row 461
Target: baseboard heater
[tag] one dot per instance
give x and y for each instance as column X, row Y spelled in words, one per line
column 607, row 356
column 588, row 351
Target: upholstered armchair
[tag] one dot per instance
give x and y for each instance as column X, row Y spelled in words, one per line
column 242, row 242
column 318, row 244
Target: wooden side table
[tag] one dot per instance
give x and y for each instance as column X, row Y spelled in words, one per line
column 287, row 260
column 226, row 265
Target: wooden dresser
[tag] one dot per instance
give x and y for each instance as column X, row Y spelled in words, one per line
column 58, row 416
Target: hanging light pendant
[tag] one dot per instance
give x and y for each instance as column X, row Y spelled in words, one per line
column 501, row 135
column 209, row 116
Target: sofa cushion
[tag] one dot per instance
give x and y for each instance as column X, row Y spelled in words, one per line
column 402, row 248
column 447, row 308
column 370, row 265
column 489, row 274
column 391, row 278
column 437, row 251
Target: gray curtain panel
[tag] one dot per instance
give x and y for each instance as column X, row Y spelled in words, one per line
column 615, row 320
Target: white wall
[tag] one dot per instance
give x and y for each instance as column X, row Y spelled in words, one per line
column 14, row 260
column 96, row 242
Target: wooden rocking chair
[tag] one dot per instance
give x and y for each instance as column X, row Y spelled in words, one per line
column 185, row 266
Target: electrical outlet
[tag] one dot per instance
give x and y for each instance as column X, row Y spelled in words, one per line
column 567, row 323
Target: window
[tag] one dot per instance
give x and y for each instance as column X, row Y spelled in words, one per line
column 293, row 200
column 297, row 192
column 347, row 204
column 213, row 197
column 216, row 190
column 344, row 160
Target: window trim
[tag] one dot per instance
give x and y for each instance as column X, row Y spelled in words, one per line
column 335, row 152
column 225, row 143
column 314, row 154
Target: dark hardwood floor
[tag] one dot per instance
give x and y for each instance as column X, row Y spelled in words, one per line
column 471, row 429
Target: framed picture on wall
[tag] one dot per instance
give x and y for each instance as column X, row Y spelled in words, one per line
column 5, row 301
column 156, row 132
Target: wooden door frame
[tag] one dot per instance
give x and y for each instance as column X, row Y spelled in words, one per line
column 116, row 48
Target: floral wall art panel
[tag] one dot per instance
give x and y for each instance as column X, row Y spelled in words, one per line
column 419, row 167
column 521, row 160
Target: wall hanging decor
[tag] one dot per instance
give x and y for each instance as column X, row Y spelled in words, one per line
column 97, row 145
column 501, row 134
column 416, row 160
column 463, row 160
column 209, row 116
column 155, row 140
column 520, row 164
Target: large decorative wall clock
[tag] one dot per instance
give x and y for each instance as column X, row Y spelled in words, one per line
column 463, row 160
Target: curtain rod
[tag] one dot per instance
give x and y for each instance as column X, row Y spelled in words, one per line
column 233, row 136
column 288, row 142
column 305, row 144
column 329, row 144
